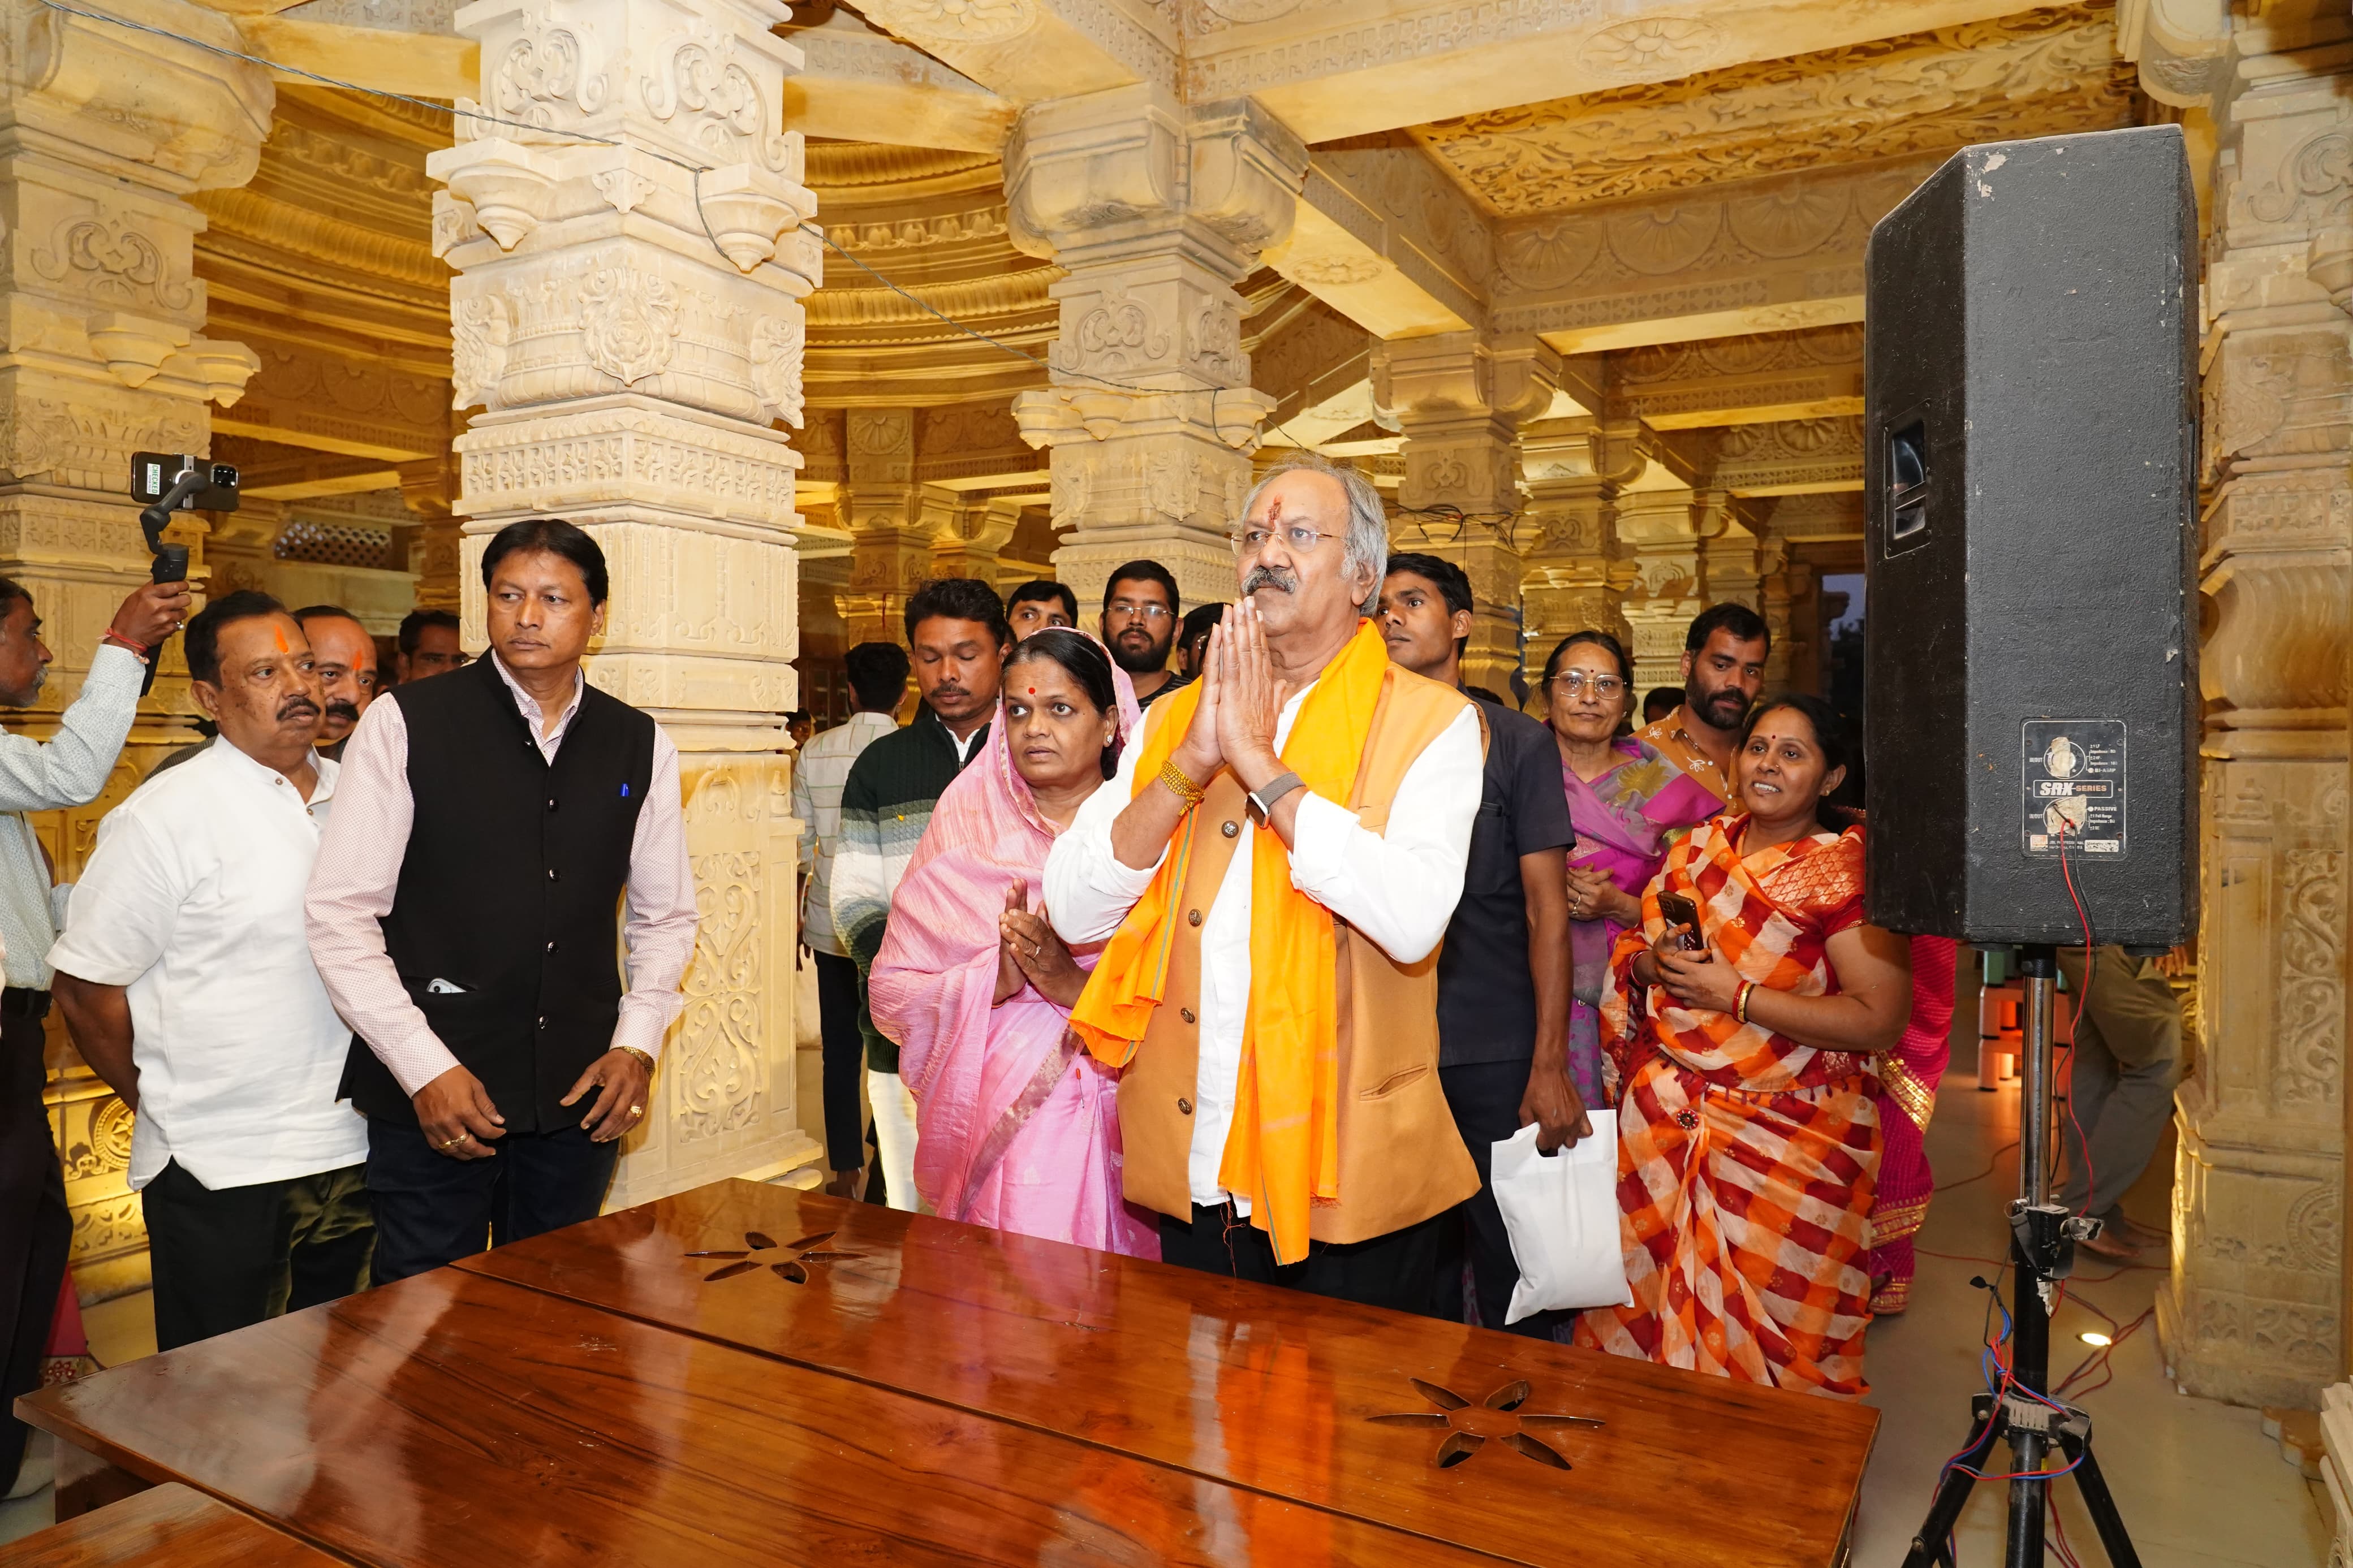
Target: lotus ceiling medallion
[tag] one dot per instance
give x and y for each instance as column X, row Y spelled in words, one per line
column 1499, row 1415
column 794, row 1267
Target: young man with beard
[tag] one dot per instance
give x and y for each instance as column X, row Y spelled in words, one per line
column 1279, row 855
column 184, row 974
column 956, row 629
column 1723, row 669
column 1503, row 971
column 345, row 656
column 1139, row 627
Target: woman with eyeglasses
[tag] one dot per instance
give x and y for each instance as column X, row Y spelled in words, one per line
column 1625, row 800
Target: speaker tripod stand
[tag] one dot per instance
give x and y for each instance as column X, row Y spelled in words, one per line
column 2042, row 1237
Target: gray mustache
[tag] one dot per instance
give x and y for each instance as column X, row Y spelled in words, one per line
column 1279, row 578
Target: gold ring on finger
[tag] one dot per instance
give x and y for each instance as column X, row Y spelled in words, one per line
column 636, row 1110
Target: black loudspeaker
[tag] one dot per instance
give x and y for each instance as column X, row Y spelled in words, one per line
column 2030, row 681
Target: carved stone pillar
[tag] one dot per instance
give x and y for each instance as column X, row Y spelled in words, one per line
column 631, row 373
column 2252, row 1312
column 881, row 506
column 1156, row 212
column 428, row 489
column 1688, row 552
column 1575, row 569
column 104, row 135
column 1459, row 399
column 967, row 533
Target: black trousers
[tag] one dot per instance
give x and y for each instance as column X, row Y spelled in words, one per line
column 845, row 1061
column 225, row 1257
column 35, row 1230
column 431, row 1209
column 1390, row 1270
column 1485, row 1099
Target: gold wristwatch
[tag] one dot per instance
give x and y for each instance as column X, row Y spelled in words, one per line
column 640, row 1056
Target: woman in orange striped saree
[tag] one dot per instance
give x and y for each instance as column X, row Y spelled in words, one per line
column 1747, row 1137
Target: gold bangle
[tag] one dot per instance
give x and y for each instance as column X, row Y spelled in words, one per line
column 1185, row 789
column 1740, row 1005
column 640, row 1056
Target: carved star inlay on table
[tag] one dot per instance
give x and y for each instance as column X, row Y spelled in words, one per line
column 794, row 1267
column 1470, row 1425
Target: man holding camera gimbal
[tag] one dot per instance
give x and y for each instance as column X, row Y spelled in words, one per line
column 68, row 770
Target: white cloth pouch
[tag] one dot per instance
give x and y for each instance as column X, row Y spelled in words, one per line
column 1561, row 1211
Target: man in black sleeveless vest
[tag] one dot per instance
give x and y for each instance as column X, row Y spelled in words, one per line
column 486, row 828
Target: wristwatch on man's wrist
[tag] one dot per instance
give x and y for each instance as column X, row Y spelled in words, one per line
column 1263, row 798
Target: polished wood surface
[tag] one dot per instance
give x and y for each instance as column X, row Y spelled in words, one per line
column 164, row 1527
column 1251, row 1385
column 457, row 1421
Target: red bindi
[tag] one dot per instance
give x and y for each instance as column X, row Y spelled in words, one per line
column 1033, row 691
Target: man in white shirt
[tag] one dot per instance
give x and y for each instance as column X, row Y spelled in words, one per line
column 1323, row 799
column 184, row 974
column 877, row 684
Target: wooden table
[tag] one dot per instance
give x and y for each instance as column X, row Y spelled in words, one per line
column 165, row 1527
column 926, row 1391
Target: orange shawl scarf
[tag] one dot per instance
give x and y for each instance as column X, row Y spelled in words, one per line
column 1284, row 1150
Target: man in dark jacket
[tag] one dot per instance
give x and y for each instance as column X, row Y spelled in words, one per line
column 486, row 825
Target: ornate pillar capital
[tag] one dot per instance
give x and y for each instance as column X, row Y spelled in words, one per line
column 1157, row 211
column 1460, row 399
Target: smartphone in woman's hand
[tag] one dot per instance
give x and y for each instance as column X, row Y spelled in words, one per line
column 1682, row 922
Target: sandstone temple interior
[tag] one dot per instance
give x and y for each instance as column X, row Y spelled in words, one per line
column 796, row 312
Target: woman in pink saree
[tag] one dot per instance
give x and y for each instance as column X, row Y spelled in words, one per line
column 1906, row 1088
column 1626, row 801
column 1018, row 1127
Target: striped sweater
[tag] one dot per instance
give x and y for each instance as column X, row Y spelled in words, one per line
column 886, row 804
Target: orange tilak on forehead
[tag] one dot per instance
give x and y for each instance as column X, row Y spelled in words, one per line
column 279, row 633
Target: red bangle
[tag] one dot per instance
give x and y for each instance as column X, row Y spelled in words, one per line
column 137, row 651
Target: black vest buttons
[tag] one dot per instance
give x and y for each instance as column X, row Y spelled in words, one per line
column 551, row 947
column 551, row 802
column 1230, row 828
column 1184, row 1108
column 1192, row 917
column 542, row 1020
column 553, row 877
column 1187, row 1014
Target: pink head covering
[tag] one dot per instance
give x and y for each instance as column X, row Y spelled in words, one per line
column 977, row 1069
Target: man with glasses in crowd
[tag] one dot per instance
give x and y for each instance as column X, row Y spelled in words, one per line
column 1139, row 627
column 1275, row 861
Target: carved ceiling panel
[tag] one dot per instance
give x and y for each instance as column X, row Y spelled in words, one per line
column 929, row 227
column 2037, row 73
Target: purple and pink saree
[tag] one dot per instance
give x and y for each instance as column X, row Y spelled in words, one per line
column 1623, row 820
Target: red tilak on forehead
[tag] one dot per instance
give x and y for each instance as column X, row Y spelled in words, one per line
column 279, row 633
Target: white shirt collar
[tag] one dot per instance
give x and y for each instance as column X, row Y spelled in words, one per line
column 320, row 793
